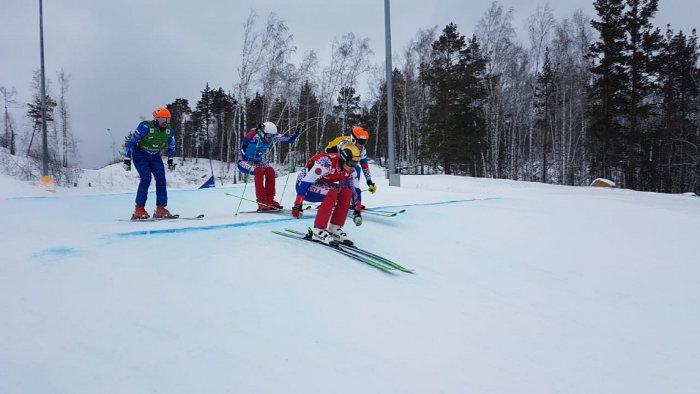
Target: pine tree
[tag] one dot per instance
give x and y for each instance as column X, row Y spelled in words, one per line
column 34, row 112
column 309, row 114
column 256, row 107
column 180, row 112
column 205, row 109
column 678, row 139
column 348, row 108
column 545, row 106
column 455, row 125
column 222, row 110
column 192, row 129
column 641, row 51
column 608, row 97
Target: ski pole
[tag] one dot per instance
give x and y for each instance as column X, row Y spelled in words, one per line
column 244, row 187
column 241, row 198
column 266, row 205
column 291, row 167
column 247, row 176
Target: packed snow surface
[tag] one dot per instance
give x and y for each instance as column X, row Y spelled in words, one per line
column 518, row 288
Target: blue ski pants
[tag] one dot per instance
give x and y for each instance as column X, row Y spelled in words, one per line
column 147, row 164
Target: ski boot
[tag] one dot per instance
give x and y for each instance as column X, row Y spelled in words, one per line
column 323, row 236
column 339, row 235
column 274, row 204
column 163, row 213
column 264, row 205
column 139, row 213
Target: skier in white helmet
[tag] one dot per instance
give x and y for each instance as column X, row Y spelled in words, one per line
column 253, row 148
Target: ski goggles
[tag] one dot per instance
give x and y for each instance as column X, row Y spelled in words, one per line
column 163, row 120
column 351, row 163
column 268, row 137
column 360, row 141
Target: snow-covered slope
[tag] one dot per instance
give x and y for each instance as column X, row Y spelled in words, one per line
column 190, row 174
column 519, row 287
column 11, row 187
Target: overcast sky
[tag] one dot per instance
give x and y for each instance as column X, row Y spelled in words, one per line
column 128, row 56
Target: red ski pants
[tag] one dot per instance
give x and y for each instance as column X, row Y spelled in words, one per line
column 334, row 206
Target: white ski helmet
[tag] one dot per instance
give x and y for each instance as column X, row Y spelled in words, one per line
column 268, row 128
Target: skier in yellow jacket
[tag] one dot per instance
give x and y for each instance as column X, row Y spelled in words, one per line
column 359, row 137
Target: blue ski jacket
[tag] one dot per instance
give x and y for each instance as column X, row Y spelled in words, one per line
column 254, row 147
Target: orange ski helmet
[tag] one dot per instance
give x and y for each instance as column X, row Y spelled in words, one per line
column 161, row 115
column 359, row 135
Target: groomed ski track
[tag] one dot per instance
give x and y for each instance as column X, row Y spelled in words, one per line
column 308, row 215
column 518, row 287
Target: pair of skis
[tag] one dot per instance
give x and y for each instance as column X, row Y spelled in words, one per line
column 384, row 213
column 171, row 217
column 274, row 210
column 349, row 250
column 369, row 211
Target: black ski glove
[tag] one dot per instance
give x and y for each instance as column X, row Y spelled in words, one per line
column 171, row 165
column 357, row 218
column 127, row 164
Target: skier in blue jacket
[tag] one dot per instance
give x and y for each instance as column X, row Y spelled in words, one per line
column 253, row 148
column 144, row 147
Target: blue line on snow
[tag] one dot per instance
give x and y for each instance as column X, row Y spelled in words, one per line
column 33, row 198
column 428, row 204
column 195, row 228
column 56, row 252
column 246, row 224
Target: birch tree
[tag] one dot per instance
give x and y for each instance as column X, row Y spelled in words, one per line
column 540, row 25
column 413, row 95
column 251, row 63
column 349, row 59
column 68, row 149
column 8, row 102
column 497, row 36
column 276, row 72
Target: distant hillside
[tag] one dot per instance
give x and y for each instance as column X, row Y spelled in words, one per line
column 19, row 167
column 189, row 174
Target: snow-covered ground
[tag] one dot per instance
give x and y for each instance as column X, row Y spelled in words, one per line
column 519, row 288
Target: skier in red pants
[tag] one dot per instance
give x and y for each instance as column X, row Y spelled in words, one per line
column 329, row 178
column 253, row 148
